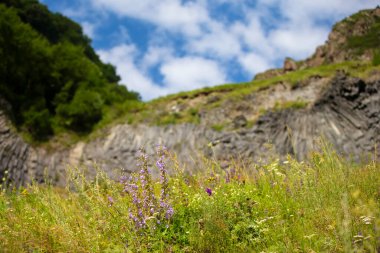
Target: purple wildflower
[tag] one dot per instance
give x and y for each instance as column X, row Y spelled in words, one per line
column 140, row 187
column 123, row 179
column 110, row 200
column 169, row 212
column 209, row 191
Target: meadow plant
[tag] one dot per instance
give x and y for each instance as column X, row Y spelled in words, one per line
column 149, row 210
column 234, row 174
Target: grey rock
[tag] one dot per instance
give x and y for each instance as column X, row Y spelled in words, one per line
column 240, row 121
column 289, row 65
column 346, row 114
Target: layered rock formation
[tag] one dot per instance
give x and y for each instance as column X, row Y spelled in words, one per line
column 347, row 114
column 343, row 110
column 14, row 154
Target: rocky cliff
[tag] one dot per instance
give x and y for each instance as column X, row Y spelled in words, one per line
column 354, row 38
column 347, row 114
column 274, row 117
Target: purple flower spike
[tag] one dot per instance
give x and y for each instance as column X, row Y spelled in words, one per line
column 209, row 191
column 140, row 188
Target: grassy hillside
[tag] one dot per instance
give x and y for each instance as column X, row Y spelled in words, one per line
column 325, row 204
column 156, row 112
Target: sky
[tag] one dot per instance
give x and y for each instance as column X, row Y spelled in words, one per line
column 161, row 47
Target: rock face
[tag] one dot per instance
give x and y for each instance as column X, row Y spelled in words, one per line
column 343, row 110
column 14, row 155
column 347, row 114
column 289, row 65
column 336, row 49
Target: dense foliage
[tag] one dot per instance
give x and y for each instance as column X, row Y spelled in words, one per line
column 325, row 204
column 50, row 74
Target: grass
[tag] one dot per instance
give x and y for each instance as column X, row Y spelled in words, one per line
column 359, row 69
column 325, row 204
column 218, row 127
column 376, row 58
column 370, row 40
column 355, row 68
column 297, row 104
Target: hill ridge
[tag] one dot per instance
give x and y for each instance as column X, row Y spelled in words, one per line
column 269, row 117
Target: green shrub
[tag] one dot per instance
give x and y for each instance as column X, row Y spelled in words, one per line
column 83, row 112
column 376, row 58
column 369, row 40
column 38, row 124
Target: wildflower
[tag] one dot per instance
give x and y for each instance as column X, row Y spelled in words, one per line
column 110, row 200
column 146, row 205
column 209, row 191
column 123, row 179
column 169, row 212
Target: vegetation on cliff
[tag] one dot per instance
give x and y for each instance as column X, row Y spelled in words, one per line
column 50, row 75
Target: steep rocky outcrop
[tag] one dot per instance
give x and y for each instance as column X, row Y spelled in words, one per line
column 343, row 44
column 282, row 118
column 347, row 114
column 354, row 38
column 14, row 154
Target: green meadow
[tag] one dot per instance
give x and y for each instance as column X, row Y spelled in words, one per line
column 325, row 204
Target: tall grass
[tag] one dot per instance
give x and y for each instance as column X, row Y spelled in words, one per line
column 325, row 204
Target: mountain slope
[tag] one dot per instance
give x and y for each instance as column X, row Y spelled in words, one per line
column 281, row 112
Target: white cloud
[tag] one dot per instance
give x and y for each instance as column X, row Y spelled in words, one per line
column 170, row 14
column 297, row 42
column 179, row 74
column 89, row 29
column 299, row 11
column 219, row 42
column 253, row 36
column 191, row 73
column 254, row 63
column 122, row 57
column 156, row 55
column 75, row 13
column 191, row 47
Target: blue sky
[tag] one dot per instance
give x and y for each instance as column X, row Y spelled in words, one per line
column 166, row 46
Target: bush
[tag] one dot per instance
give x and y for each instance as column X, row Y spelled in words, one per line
column 38, row 124
column 83, row 112
column 370, row 39
column 376, row 58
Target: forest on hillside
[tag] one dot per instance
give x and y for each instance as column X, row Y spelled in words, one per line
column 50, row 77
